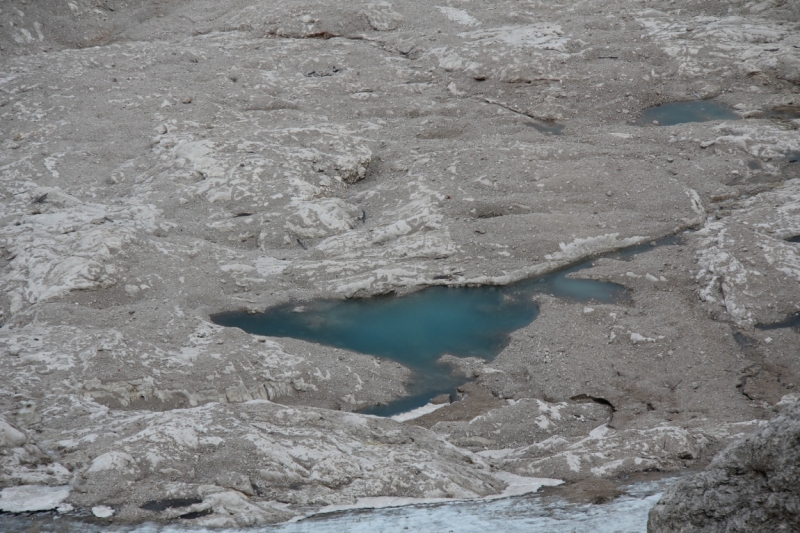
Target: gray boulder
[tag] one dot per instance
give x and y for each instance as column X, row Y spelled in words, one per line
column 753, row 485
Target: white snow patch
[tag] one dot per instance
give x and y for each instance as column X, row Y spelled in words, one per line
column 269, row 266
column 515, row 486
column 542, row 36
column 10, row 436
column 637, row 338
column 519, row 485
column 418, row 412
column 591, row 245
column 600, row 432
column 496, row 454
column 31, row 498
column 111, row 461
column 458, row 16
column 237, row 268
column 102, row 511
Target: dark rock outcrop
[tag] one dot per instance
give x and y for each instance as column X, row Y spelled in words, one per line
column 753, row 485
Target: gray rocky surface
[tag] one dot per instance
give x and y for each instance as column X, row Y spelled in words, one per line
column 750, row 486
column 161, row 161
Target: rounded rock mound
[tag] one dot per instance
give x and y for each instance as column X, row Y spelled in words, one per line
column 750, row 486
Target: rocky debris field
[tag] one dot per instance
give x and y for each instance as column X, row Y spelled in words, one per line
column 161, row 161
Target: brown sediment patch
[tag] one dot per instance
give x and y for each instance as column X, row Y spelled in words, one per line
column 476, row 400
column 594, row 491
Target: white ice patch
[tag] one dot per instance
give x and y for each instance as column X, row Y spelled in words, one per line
column 636, row 338
column 237, row 268
column 626, row 514
column 763, row 140
column 269, row 266
column 102, row 511
column 736, row 39
column 32, row 498
column 734, row 277
column 111, row 461
column 321, row 218
column 515, row 486
column 519, row 485
column 458, row 16
column 418, row 412
column 68, row 247
column 543, row 36
column 592, row 245
column 10, row 436
column 199, row 154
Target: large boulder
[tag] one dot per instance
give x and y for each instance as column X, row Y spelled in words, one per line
column 751, row 486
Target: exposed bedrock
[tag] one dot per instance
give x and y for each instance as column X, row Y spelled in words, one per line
column 750, row 486
column 162, row 161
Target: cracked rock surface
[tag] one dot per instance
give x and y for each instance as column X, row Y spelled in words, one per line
column 750, row 486
column 162, row 161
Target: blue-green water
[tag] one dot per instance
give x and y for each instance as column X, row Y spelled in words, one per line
column 414, row 330
column 682, row 112
column 417, row 329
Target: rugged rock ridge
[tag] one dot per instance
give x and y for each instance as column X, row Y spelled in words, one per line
column 245, row 462
column 750, row 486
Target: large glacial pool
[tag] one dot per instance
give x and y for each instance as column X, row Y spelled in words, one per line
column 417, row 329
column 682, row 112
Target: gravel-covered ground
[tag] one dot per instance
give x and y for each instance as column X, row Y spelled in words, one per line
column 161, row 161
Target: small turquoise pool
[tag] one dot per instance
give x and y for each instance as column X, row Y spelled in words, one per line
column 414, row 330
column 682, row 112
column 417, row 329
